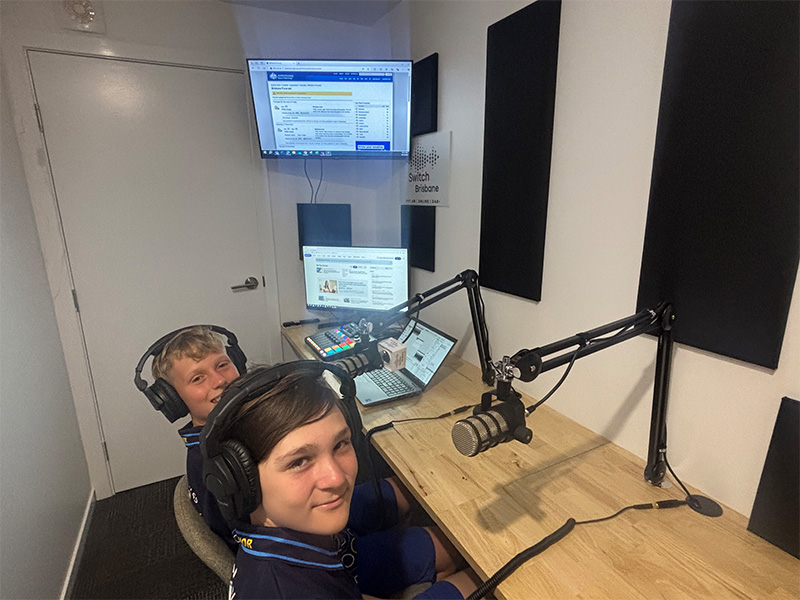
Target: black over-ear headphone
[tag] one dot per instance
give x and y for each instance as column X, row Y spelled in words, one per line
column 161, row 394
column 228, row 470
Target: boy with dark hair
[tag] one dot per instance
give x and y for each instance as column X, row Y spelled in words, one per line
column 306, row 539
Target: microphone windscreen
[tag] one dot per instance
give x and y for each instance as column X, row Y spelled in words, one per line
column 357, row 364
column 479, row 432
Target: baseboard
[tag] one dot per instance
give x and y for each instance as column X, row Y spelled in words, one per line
column 69, row 580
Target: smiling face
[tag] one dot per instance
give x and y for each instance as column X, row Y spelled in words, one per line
column 200, row 383
column 307, row 479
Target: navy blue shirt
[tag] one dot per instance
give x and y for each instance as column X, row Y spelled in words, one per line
column 275, row 563
column 278, row 563
column 204, row 501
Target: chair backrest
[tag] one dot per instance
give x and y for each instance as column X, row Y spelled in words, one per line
column 206, row 544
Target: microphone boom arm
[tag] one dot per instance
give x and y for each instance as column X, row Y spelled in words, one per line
column 526, row 365
column 467, row 280
column 529, row 364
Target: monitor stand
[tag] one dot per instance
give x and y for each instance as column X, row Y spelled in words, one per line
column 340, row 317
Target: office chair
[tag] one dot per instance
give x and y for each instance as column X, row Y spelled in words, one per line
column 204, row 543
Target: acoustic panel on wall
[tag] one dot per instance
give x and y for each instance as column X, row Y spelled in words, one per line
column 323, row 225
column 425, row 95
column 776, row 510
column 721, row 240
column 521, row 62
column 418, row 234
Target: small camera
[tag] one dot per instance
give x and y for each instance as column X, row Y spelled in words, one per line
column 392, row 353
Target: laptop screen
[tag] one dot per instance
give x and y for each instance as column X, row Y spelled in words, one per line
column 426, row 349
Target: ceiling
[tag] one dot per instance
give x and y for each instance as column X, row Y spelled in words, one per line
column 359, row 12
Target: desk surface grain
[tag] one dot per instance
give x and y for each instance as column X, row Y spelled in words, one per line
column 496, row 504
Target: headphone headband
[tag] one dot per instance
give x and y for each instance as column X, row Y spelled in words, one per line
column 256, row 383
column 157, row 346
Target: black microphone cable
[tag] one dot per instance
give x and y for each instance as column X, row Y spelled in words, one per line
column 394, row 422
column 585, row 343
column 552, row 391
column 482, row 323
column 517, row 561
column 414, row 317
column 390, row 425
column 680, row 483
column 512, row 565
column 696, row 502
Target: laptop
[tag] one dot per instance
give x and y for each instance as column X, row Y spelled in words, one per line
column 426, row 349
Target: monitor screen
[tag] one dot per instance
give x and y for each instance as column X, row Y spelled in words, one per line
column 357, row 279
column 332, row 108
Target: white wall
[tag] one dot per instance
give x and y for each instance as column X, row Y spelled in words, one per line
column 370, row 187
column 611, row 55
column 45, row 486
column 198, row 32
column 611, row 58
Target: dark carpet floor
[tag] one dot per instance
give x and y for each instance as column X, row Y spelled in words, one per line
column 134, row 549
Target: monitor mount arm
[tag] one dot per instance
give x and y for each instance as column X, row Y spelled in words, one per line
column 527, row 365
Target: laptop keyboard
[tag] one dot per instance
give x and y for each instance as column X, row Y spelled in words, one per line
column 390, row 383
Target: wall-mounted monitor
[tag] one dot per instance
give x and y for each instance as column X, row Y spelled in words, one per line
column 332, row 108
column 356, row 278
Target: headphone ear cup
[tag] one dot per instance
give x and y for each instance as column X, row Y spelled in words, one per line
column 242, row 486
column 238, row 358
column 164, row 398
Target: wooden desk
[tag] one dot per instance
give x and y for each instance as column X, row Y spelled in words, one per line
column 498, row 503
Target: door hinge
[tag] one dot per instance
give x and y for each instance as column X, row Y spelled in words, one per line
column 75, row 300
column 39, row 117
column 105, row 451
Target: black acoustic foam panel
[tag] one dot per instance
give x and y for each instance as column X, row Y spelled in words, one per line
column 425, row 95
column 418, row 234
column 521, row 62
column 721, row 240
column 776, row 509
column 323, row 225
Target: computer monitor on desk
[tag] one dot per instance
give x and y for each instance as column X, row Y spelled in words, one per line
column 357, row 280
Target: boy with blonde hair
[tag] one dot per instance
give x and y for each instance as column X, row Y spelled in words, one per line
column 191, row 368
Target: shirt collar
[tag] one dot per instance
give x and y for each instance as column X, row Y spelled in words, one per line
column 288, row 545
column 190, row 434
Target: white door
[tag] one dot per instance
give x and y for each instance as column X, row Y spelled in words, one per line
column 154, row 178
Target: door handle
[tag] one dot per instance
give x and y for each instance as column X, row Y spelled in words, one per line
column 250, row 283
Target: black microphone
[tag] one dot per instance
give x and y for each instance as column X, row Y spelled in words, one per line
column 485, row 429
column 362, row 362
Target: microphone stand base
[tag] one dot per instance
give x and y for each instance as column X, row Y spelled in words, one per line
column 704, row 506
